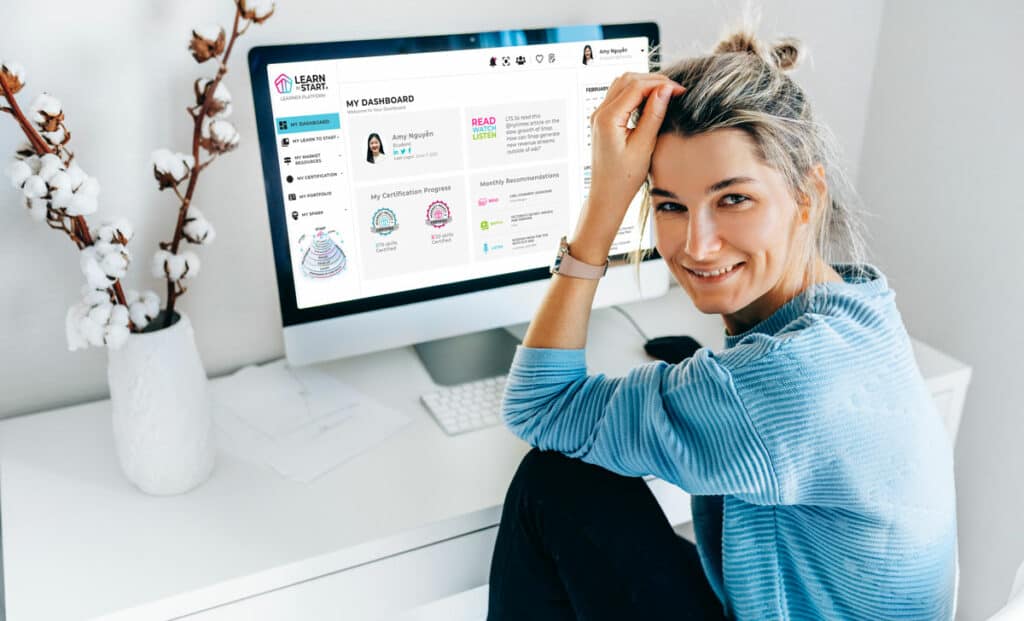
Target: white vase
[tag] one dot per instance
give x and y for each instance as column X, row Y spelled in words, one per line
column 161, row 410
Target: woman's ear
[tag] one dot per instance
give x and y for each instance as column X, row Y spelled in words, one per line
column 815, row 179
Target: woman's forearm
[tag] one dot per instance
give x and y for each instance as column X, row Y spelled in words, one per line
column 621, row 159
column 564, row 314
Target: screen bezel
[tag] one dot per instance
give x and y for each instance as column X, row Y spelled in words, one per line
column 262, row 56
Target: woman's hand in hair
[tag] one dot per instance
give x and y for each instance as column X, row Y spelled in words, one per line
column 621, row 156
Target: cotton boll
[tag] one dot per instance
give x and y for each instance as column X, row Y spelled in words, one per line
column 160, row 263
column 37, row 208
column 13, row 75
column 90, row 187
column 104, row 234
column 100, row 313
column 56, row 137
column 73, row 327
column 60, row 189
column 101, row 248
column 191, row 260
column 207, row 42
column 93, row 332
column 44, row 109
column 152, row 302
column 47, row 103
column 197, row 229
column 34, row 187
column 18, row 171
column 258, row 11
column 175, row 267
column 77, row 175
column 220, row 104
column 116, row 336
column 82, row 205
column 49, row 165
column 94, row 275
column 24, row 151
column 171, row 168
column 115, row 264
column 137, row 313
column 60, row 180
column 124, row 229
column 94, row 297
column 223, row 136
column 119, row 315
column 208, row 31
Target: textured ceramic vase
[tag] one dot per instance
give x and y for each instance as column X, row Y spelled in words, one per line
column 161, row 410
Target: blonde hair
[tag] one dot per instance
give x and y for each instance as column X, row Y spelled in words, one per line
column 743, row 84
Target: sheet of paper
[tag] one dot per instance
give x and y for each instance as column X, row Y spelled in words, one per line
column 301, row 422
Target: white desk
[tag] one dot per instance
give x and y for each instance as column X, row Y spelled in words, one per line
column 79, row 541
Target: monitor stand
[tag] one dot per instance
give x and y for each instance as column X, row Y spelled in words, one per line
column 469, row 357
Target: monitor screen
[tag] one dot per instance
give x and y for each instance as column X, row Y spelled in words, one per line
column 407, row 169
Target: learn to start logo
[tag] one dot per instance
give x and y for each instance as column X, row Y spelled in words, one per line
column 283, row 84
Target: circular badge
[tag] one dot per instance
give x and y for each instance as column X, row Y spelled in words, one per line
column 438, row 214
column 383, row 222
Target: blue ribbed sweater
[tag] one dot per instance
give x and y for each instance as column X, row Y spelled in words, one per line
column 821, row 474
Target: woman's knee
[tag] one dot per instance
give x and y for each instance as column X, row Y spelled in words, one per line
column 557, row 479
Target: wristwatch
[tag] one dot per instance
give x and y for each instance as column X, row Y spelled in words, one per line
column 567, row 266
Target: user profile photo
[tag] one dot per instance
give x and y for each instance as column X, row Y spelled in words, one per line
column 374, row 148
column 588, row 55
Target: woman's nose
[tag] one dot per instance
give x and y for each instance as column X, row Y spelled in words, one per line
column 702, row 241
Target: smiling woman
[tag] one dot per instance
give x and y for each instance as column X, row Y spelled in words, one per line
column 820, row 472
column 733, row 241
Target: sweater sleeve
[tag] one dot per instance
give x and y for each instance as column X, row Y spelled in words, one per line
column 683, row 423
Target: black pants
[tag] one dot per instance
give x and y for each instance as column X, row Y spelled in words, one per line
column 579, row 542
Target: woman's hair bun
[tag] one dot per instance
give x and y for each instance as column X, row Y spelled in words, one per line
column 785, row 54
column 739, row 42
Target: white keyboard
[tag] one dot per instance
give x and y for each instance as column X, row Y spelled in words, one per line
column 467, row 407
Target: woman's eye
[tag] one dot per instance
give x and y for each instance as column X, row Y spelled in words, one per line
column 734, row 199
column 670, row 207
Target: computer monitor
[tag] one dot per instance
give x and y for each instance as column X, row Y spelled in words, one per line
column 417, row 187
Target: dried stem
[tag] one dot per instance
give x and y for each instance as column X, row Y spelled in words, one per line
column 79, row 232
column 211, row 88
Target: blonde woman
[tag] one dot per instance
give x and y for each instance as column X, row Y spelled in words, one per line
column 821, row 475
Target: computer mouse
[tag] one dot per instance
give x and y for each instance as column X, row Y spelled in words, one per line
column 672, row 349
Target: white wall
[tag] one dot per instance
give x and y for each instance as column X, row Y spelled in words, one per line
column 941, row 164
column 124, row 75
